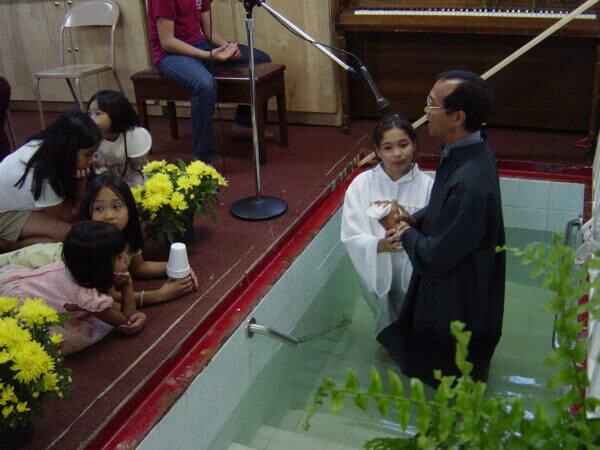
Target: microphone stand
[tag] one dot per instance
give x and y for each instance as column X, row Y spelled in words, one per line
column 259, row 207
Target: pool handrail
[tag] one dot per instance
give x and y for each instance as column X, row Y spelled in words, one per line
column 573, row 223
column 252, row 327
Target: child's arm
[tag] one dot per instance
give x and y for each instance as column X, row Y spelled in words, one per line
column 147, row 269
column 171, row 289
column 119, row 313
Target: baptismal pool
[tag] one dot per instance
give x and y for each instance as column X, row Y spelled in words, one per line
column 254, row 391
column 272, row 410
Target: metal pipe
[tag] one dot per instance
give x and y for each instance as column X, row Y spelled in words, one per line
column 574, row 223
column 252, row 327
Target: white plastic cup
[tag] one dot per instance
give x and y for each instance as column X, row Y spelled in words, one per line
column 178, row 265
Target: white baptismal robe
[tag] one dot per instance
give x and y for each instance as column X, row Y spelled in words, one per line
column 384, row 277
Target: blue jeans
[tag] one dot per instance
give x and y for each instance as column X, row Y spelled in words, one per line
column 194, row 74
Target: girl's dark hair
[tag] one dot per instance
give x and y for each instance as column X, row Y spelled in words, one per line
column 393, row 121
column 89, row 253
column 133, row 231
column 122, row 115
column 56, row 157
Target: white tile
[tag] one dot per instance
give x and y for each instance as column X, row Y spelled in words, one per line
column 558, row 219
column 566, row 197
column 533, row 219
column 525, row 193
column 151, row 441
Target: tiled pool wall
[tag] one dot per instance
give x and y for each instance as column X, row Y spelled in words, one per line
column 196, row 418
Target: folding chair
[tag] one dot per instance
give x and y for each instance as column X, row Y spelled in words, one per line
column 91, row 14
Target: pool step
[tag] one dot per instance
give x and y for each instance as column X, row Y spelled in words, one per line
column 271, row 438
column 235, row 446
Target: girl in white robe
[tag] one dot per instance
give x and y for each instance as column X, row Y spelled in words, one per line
column 371, row 212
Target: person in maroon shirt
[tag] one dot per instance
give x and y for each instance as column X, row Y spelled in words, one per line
column 183, row 43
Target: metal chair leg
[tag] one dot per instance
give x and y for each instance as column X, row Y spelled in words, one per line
column 36, row 91
column 80, row 98
column 118, row 80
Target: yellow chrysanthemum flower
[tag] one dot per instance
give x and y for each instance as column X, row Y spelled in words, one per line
column 160, row 184
column 22, row 407
column 153, row 203
column 34, row 311
column 4, row 356
column 8, row 304
column 136, row 191
column 50, row 381
column 171, row 168
column 56, row 338
column 8, row 395
column 7, row 410
column 184, row 182
column 11, row 334
column 178, row 202
column 153, row 166
column 197, row 168
column 30, row 362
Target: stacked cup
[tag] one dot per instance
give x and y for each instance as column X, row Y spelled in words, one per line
column 178, row 265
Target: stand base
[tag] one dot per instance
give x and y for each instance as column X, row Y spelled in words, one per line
column 255, row 208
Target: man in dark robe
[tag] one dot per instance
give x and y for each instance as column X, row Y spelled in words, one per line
column 457, row 273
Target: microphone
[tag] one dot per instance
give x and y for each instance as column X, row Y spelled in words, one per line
column 382, row 105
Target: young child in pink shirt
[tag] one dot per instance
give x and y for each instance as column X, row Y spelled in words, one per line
column 94, row 260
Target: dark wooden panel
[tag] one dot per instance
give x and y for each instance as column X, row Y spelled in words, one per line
column 549, row 87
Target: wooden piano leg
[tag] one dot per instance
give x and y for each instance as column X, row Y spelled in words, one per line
column 345, row 87
column 595, row 112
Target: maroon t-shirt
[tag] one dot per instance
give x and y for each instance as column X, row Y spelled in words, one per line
column 186, row 17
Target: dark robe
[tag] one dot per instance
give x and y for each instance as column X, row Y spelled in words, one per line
column 457, row 273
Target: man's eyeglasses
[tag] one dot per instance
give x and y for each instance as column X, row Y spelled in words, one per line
column 429, row 104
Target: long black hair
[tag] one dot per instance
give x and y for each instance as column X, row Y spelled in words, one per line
column 122, row 115
column 89, row 253
column 133, row 231
column 55, row 160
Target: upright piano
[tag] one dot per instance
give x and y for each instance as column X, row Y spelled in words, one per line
column 405, row 43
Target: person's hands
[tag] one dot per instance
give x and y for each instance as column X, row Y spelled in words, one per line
column 226, row 52
column 121, row 278
column 176, row 287
column 390, row 243
column 391, row 220
column 194, row 279
column 404, row 216
column 82, row 173
column 135, row 324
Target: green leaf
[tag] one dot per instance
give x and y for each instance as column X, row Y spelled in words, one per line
column 376, row 386
column 362, row 401
column 396, row 387
column 351, row 381
column 403, row 413
column 383, row 405
column 337, row 402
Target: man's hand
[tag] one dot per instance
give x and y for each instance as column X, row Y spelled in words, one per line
column 226, row 52
column 404, row 216
column 135, row 324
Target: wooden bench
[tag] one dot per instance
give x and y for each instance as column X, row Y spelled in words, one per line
column 233, row 87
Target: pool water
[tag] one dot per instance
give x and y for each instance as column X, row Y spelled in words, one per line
column 270, row 414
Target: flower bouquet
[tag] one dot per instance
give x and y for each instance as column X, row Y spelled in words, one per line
column 172, row 194
column 30, row 363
